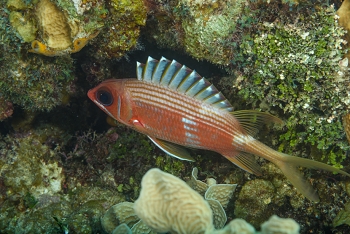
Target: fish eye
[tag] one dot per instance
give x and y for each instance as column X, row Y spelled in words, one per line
column 104, row 97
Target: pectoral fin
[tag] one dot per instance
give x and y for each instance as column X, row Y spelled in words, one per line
column 172, row 149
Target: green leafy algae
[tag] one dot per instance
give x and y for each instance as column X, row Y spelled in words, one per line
column 297, row 69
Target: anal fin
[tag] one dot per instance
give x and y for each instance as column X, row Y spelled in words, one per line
column 245, row 161
column 172, row 149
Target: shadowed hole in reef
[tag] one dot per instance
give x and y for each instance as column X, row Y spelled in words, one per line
column 126, row 68
column 80, row 114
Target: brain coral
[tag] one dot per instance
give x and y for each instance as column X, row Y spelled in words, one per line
column 54, row 24
column 168, row 204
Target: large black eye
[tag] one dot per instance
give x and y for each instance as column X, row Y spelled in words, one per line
column 104, row 97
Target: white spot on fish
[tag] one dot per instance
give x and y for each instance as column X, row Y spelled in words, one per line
column 192, row 142
column 241, row 140
column 190, row 135
column 188, row 121
column 190, row 128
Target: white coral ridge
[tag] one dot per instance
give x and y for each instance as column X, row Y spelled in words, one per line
column 279, row 225
column 168, row 204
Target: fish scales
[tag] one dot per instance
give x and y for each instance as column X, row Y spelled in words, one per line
column 205, row 126
column 176, row 107
column 169, row 98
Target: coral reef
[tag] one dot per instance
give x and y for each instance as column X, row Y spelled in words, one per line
column 62, row 168
column 37, row 165
column 119, row 214
column 57, row 28
column 298, row 69
column 26, row 30
column 217, row 195
column 31, row 82
column 165, row 201
column 123, row 29
column 258, row 192
column 278, row 225
column 54, row 24
column 121, row 218
column 37, row 195
column 37, row 84
column 201, row 28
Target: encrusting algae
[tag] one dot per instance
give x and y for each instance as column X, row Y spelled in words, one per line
column 175, row 107
column 78, row 44
column 55, row 28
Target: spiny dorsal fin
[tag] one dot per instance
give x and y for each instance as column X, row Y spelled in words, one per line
column 173, row 75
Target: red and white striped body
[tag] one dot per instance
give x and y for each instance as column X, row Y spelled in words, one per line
column 175, row 117
column 174, row 106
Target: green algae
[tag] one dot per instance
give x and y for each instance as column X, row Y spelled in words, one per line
column 126, row 146
column 33, row 162
column 207, row 27
column 296, row 68
column 343, row 216
column 35, row 83
column 122, row 29
column 201, row 28
column 24, row 26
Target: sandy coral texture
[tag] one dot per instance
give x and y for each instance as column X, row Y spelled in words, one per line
column 54, row 25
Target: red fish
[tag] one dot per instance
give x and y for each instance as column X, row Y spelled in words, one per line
column 177, row 108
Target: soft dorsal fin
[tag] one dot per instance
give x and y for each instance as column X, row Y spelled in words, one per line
column 252, row 120
column 173, row 75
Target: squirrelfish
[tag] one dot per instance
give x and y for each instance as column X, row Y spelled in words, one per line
column 177, row 108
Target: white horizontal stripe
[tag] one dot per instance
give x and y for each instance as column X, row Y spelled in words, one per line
column 188, row 107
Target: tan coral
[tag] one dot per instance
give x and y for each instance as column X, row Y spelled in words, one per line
column 168, row 204
column 196, row 184
column 221, row 192
column 217, row 195
column 54, row 24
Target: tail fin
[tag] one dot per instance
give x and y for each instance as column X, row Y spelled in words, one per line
column 298, row 181
column 288, row 165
